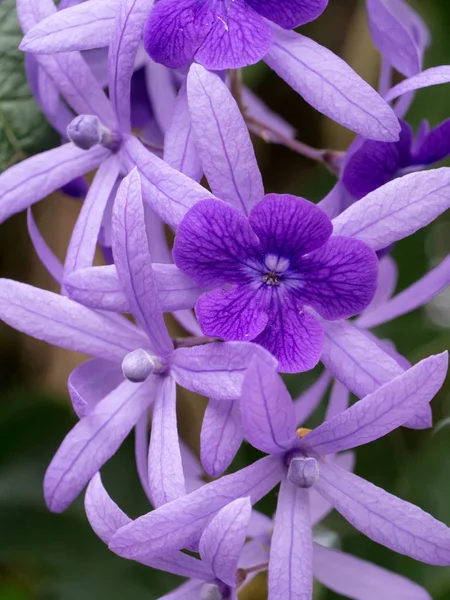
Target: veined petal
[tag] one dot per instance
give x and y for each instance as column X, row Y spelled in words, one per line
column 179, row 524
column 356, row 360
column 167, row 191
column 306, row 403
column 64, row 323
column 223, row 140
column 34, row 178
column 339, row 400
column 90, row 382
column 435, row 146
column 161, row 89
column 356, row 578
column 165, row 470
column 379, row 413
column 289, row 13
column 216, row 370
column 103, row 514
column 222, row 541
column 81, row 27
column 427, row 78
column 83, row 241
column 290, row 566
column 331, row 86
column 387, row 282
column 268, row 413
column 221, row 435
column 397, row 209
column 384, row 518
column 133, row 263
column 93, row 441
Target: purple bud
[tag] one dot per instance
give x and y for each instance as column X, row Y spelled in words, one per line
column 303, row 471
column 210, row 591
column 85, row 131
column 138, row 365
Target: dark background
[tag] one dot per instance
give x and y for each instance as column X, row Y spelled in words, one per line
column 47, row 556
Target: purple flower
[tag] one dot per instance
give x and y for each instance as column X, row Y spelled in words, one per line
column 221, row 34
column 298, row 460
column 375, row 163
column 267, row 268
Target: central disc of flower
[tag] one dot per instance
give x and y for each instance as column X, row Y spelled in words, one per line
column 274, row 268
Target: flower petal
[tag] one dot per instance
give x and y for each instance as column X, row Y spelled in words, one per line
column 289, row 226
column 216, row 370
column 384, row 518
column 190, row 590
column 427, row 78
column 222, row 541
column 90, row 382
column 47, row 257
column 327, row 83
column 435, row 146
column 165, row 470
column 379, row 413
column 93, row 441
column 268, row 414
column 387, row 282
column 133, row 263
column 306, row 403
column 290, row 566
column 223, row 141
column 338, row 280
column 221, row 435
column 289, row 13
column 179, row 524
column 397, row 209
column 214, row 243
column 103, row 514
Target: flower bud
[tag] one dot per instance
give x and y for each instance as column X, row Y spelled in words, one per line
column 210, row 591
column 85, row 131
column 303, row 471
column 138, row 365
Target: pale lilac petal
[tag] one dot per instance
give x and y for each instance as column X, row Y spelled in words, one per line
column 397, row 209
column 83, row 242
column 361, row 580
column 427, row 78
column 64, row 323
column 418, row 294
column 223, row 140
column 214, row 244
column 327, row 83
column 384, row 518
column 387, row 282
column 47, row 257
column 125, row 39
column 93, row 441
column 81, row 27
column 97, row 287
column 35, row 178
column 216, row 370
column 179, row 524
column 356, row 360
column 382, row 411
column 90, row 382
column 141, row 451
column 167, row 191
column 175, row 290
column 268, row 414
column 222, row 541
column 321, row 508
column 133, row 263
column 187, row 591
column 188, row 321
column 337, row 200
column 307, row 402
column 260, row 528
column 221, row 435
column 180, row 147
column 339, row 400
column 290, row 567
column 161, row 90
column 165, row 470
column 393, row 38
column 103, row 514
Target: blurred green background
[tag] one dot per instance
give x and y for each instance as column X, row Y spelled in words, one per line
column 47, row 556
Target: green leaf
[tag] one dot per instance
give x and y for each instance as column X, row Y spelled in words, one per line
column 23, row 129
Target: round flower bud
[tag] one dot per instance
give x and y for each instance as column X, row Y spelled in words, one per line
column 210, row 591
column 303, row 471
column 137, row 366
column 85, row 131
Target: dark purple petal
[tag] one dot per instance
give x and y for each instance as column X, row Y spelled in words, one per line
column 289, row 13
column 235, row 313
column 294, row 337
column 214, row 243
column 288, row 226
column 176, row 29
column 340, row 279
column 238, row 37
column 435, row 146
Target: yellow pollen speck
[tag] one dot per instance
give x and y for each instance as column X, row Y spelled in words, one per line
column 302, row 431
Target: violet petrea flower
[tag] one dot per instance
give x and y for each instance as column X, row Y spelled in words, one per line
column 297, row 459
column 267, row 268
column 112, row 398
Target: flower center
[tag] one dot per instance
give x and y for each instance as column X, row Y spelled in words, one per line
column 275, row 267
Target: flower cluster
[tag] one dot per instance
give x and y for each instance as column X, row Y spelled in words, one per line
column 273, row 280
